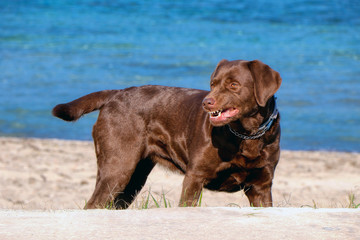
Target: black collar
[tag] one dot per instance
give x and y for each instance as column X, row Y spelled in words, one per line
column 262, row 129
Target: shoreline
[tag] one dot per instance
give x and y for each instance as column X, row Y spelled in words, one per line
column 60, row 174
column 91, row 140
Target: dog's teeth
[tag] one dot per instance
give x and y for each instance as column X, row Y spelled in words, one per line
column 215, row 113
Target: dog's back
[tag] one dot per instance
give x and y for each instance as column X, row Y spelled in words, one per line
column 150, row 99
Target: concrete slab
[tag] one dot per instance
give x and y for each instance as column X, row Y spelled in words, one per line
column 182, row 223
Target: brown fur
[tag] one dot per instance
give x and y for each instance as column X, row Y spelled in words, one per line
column 139, row 127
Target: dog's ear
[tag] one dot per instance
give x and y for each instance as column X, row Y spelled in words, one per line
column 266, row 81
column 218, row 65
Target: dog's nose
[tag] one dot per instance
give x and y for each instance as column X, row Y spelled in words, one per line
column 208, row 102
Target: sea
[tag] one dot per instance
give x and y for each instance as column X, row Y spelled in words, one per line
column 53, row 51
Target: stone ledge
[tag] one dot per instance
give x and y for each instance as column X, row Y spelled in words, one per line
column 183, row 223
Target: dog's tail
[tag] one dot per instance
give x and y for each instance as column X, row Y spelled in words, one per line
column 74, row 110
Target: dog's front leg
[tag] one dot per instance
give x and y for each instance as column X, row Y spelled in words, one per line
column 192, row 187
column 259, row 196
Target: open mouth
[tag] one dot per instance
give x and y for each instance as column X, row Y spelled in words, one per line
column 222, row 115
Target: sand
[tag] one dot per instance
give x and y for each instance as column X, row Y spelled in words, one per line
column 55, row 174
column 45, row 183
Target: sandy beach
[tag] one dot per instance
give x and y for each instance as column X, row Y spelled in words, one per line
column 46, row 182
column 50, row 174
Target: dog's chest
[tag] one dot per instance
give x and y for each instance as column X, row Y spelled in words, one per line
column 242, row 161
column 232, row 176
column 228, row 181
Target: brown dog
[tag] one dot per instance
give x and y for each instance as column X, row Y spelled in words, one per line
column 232, row 145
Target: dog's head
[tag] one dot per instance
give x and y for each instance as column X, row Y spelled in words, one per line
column 238, row 88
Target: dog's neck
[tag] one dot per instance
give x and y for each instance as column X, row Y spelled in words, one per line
column 250, row 124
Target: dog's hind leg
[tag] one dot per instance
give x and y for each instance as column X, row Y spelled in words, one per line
column 122, row 169
column 118, row 184
column 137, row 181
column 112, row 180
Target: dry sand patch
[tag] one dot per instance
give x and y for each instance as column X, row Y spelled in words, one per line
column 58, row 174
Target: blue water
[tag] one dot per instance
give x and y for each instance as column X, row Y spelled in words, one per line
column 54, row 51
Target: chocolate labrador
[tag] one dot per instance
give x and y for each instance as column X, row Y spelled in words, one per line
column 224, row 140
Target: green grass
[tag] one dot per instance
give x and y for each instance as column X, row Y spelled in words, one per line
column 151, row 200
column 352, row 203
column 311, row 206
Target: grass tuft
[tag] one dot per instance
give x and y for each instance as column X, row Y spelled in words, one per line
column 313, row 206
column 352, row 203
column 151, row 201
column 200, row 198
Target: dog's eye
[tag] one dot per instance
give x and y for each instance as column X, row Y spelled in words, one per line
column 234, row 85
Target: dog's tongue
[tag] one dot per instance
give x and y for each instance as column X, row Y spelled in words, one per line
column 230, row 112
